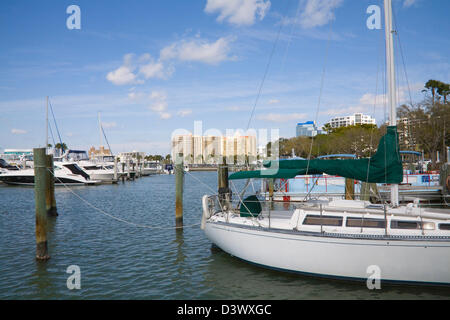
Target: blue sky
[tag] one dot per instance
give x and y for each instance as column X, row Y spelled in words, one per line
column 151, row 67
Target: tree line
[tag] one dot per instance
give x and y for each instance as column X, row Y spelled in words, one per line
column 422, row 126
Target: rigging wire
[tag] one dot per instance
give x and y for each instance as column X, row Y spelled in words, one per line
column 400, row 46
column 51, row 133
column 56, row 125
column 322, row 81
column 106, row 139
column 266, row 71
column 116, row 218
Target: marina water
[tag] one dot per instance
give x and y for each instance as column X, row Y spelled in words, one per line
column 118, row 260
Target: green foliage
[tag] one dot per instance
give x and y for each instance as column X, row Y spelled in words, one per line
column 438, row 90
column 61, row 146
column 427, row 124
column 361, row 140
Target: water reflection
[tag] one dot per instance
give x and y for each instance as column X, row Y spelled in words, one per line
column 231, row 277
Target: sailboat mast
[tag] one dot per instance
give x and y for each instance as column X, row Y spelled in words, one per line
column 46, row 127
column 390, row 71
column 100, row 130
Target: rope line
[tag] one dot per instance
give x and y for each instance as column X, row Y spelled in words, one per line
column 116, row 218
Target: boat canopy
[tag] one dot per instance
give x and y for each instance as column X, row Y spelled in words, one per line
column 385, row 166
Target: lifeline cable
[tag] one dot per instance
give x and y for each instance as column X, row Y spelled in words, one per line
column 120, row 219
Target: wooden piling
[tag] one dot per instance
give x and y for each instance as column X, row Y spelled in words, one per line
column 40, row 177
column 179, row 181
column 115, row 169
column 349, row 189
column 50, row 200
column 444, row 178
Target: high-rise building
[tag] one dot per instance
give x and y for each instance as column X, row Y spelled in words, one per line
column 212, row 149
column 183, row 144
column 355, row 119
column 405, row 137
column 307, row 129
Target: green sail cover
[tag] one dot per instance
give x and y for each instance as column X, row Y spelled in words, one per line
column 383, row 167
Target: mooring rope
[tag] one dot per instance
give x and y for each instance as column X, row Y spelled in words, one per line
column 120, row 219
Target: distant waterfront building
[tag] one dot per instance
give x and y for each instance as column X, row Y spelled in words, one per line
column 212, row 149
column 15, row 155
column 133, row 156
column 307, row 129
column 355, row 119
column 101, row 152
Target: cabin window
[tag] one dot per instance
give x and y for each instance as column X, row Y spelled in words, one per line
column 444, row 226
column 314, row 220
column 365, row 223
column 405, row 224
column 396, row 224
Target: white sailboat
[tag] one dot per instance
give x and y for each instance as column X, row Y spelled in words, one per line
column 343, row 239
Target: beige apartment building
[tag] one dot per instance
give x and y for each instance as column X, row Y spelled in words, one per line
column 212, row 149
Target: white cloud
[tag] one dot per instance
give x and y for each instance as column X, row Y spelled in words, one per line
column 125, row 73
column 154, row 69
column 344, row 111
column 137, row 70
column 278, row 117
column 136, row 96
column 159, row 104
column 274, row 101
column 121, row 76
column 165, row 115
column 316, row 13
column 198, row 50
column 18, row 131
column 371, row 103
column 238, row 12
column 184, row 113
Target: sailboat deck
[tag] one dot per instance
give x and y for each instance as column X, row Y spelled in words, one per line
column 353, row 218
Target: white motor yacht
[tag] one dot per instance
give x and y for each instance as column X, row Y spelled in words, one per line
column 68, row 173
column 100, row 171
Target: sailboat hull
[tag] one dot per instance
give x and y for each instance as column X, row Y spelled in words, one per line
column 396, row 260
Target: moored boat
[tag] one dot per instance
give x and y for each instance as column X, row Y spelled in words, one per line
column 345, row 239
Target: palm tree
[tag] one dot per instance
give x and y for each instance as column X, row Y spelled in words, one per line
column 437, row 88
column 61, row 146
column 432, row 85
column 444, row 90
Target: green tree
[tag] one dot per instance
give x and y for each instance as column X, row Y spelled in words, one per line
column 428, row 126
column 432, row 85
column 444, row 90
column 61, row 146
